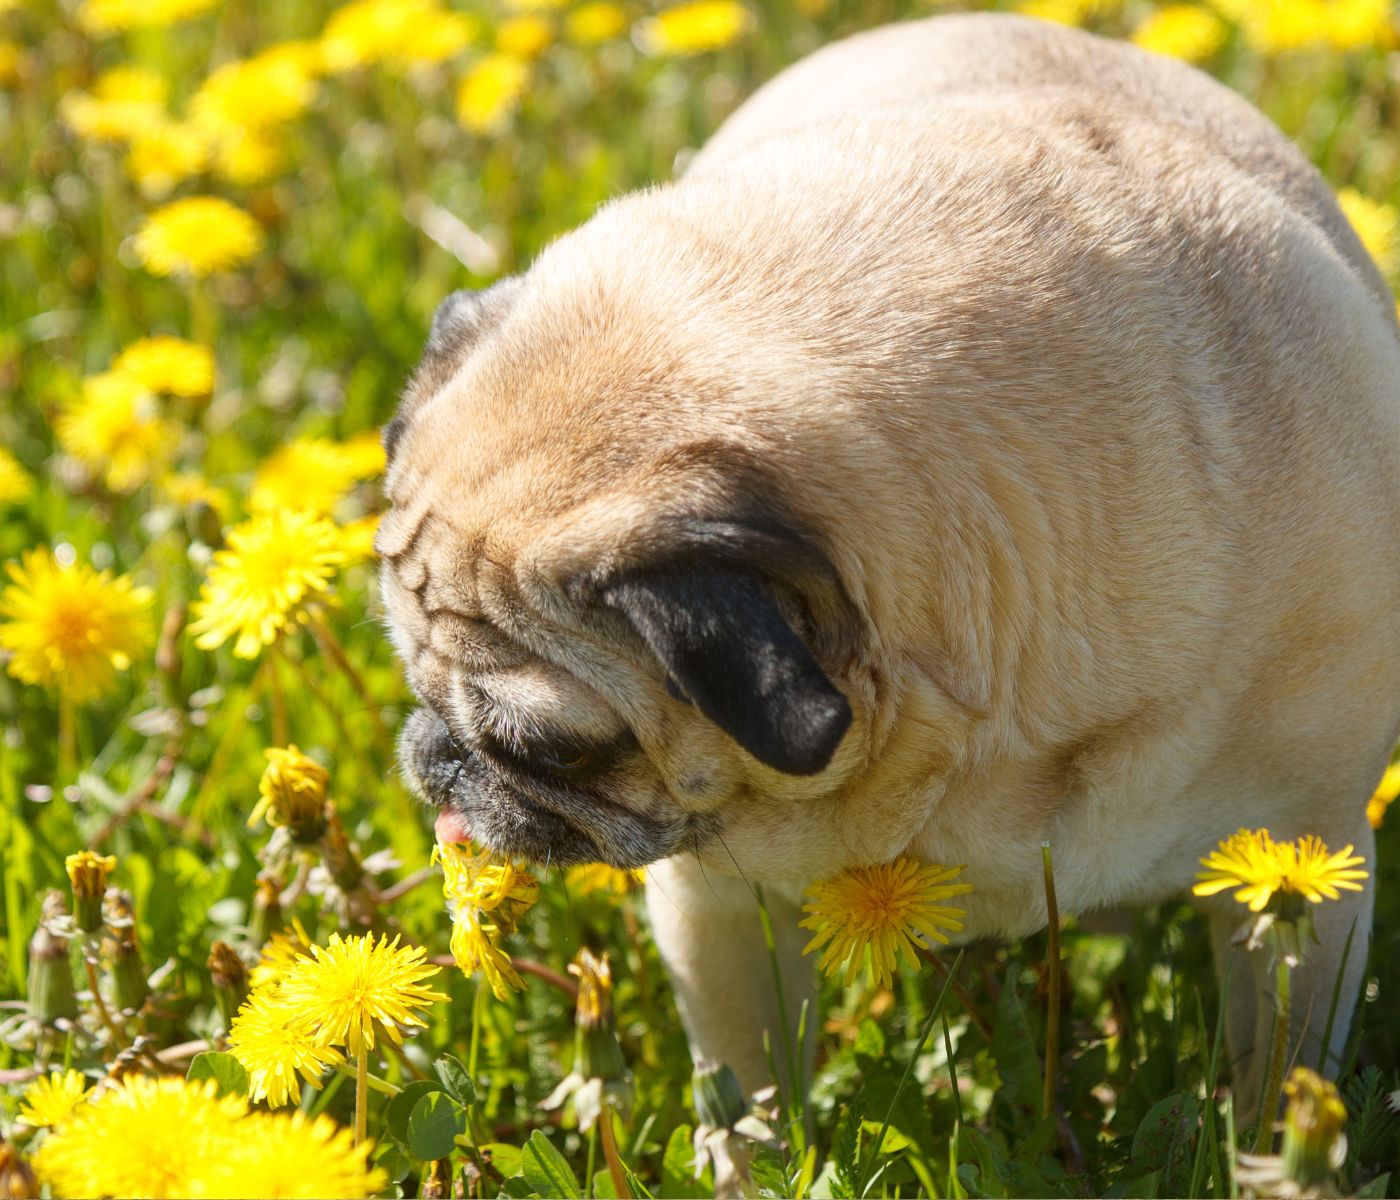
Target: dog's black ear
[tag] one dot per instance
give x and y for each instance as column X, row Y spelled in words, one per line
column 723, row 641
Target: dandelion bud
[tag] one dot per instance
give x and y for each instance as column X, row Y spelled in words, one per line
column 267, row 910
column 1314, row 1145
column 230, row 978
column 88, row 873
column 597, row 1052
column 341, row 860
column 292, row 792
column 719, row 1099
column 17, row 1181
column 51, row 994
column 130, row 987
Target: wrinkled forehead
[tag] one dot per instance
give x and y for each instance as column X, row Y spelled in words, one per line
column 472, row 648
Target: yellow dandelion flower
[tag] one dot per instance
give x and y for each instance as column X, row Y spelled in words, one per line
column 352, row 988
column 1316, row 873
column 197, row 236
column 1260, row 868
column 267, row 89
column 474, row 949
column 876, row 911
column 292, row 792
column 51, row 1099
column 1384, row 795
column 88, row 874
column 486, row 884
column 400, row 32
column 249, row 156
column 71, row 627
column 314, row 473
column 1358, row 24
column 293, row 1157
column 357, row 538
column 186, row 489
column 1278, row 26
column 88, row 871
column 526, row 36
column 591, row 24
column 491, row 91
column 116, row 429
column 476, row 884
column 1067, row 12
column 12, row 63
column 124, row 102
column 15, row 484
column 274, row 563
column 1377, row 225
column 599, row 877
column 695, row 28
column 113, row 16
column 143, row 1137
column 278, row 1048
column 168, row 364
column 164, row 153
column 1183, row 31
column 280, row 955
column 443, row 35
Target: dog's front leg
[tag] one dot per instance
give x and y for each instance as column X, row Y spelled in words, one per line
column 708, row 929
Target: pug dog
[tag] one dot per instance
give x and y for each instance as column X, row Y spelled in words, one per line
column 992, row 439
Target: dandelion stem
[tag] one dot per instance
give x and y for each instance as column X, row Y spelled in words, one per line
column 794, row 1101
column 610, row 1155
column 330, row 644
column 101, row 1005
column 67, row 739
column 204, row 317
column 1052, row 966
column 1278, row 1053
column 361, row 1096
column 279, row 701
column 592, row 1159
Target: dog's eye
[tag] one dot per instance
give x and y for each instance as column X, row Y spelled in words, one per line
column 574, row 760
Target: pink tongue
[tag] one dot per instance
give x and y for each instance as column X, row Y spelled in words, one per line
column 450, row 827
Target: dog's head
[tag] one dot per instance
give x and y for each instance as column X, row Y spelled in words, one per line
column 625, row 640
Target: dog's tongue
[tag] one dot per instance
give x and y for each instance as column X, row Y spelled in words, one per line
column 450, row 827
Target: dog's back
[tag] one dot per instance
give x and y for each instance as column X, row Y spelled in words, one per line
column 1022, row 68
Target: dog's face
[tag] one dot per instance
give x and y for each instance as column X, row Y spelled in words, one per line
column 622, row 642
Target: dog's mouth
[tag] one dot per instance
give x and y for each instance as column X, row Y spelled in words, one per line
column 521, row 818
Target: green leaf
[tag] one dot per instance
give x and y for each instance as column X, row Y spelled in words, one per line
column 546, row 1170
column 395, row 1163
column 400, row 1108
column 225, row 1070
column 1163, row 1140
column 603, row 1185
column 434, row 1125
column 1014, row 1048
column 678, row 1166
column 516, row 1186
column 1378, row 1187
column 455, row 1079
column 505, row 1158
column 845, row 1147
column 870, row 1040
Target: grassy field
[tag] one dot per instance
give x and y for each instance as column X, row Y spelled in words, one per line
column 375, row 157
